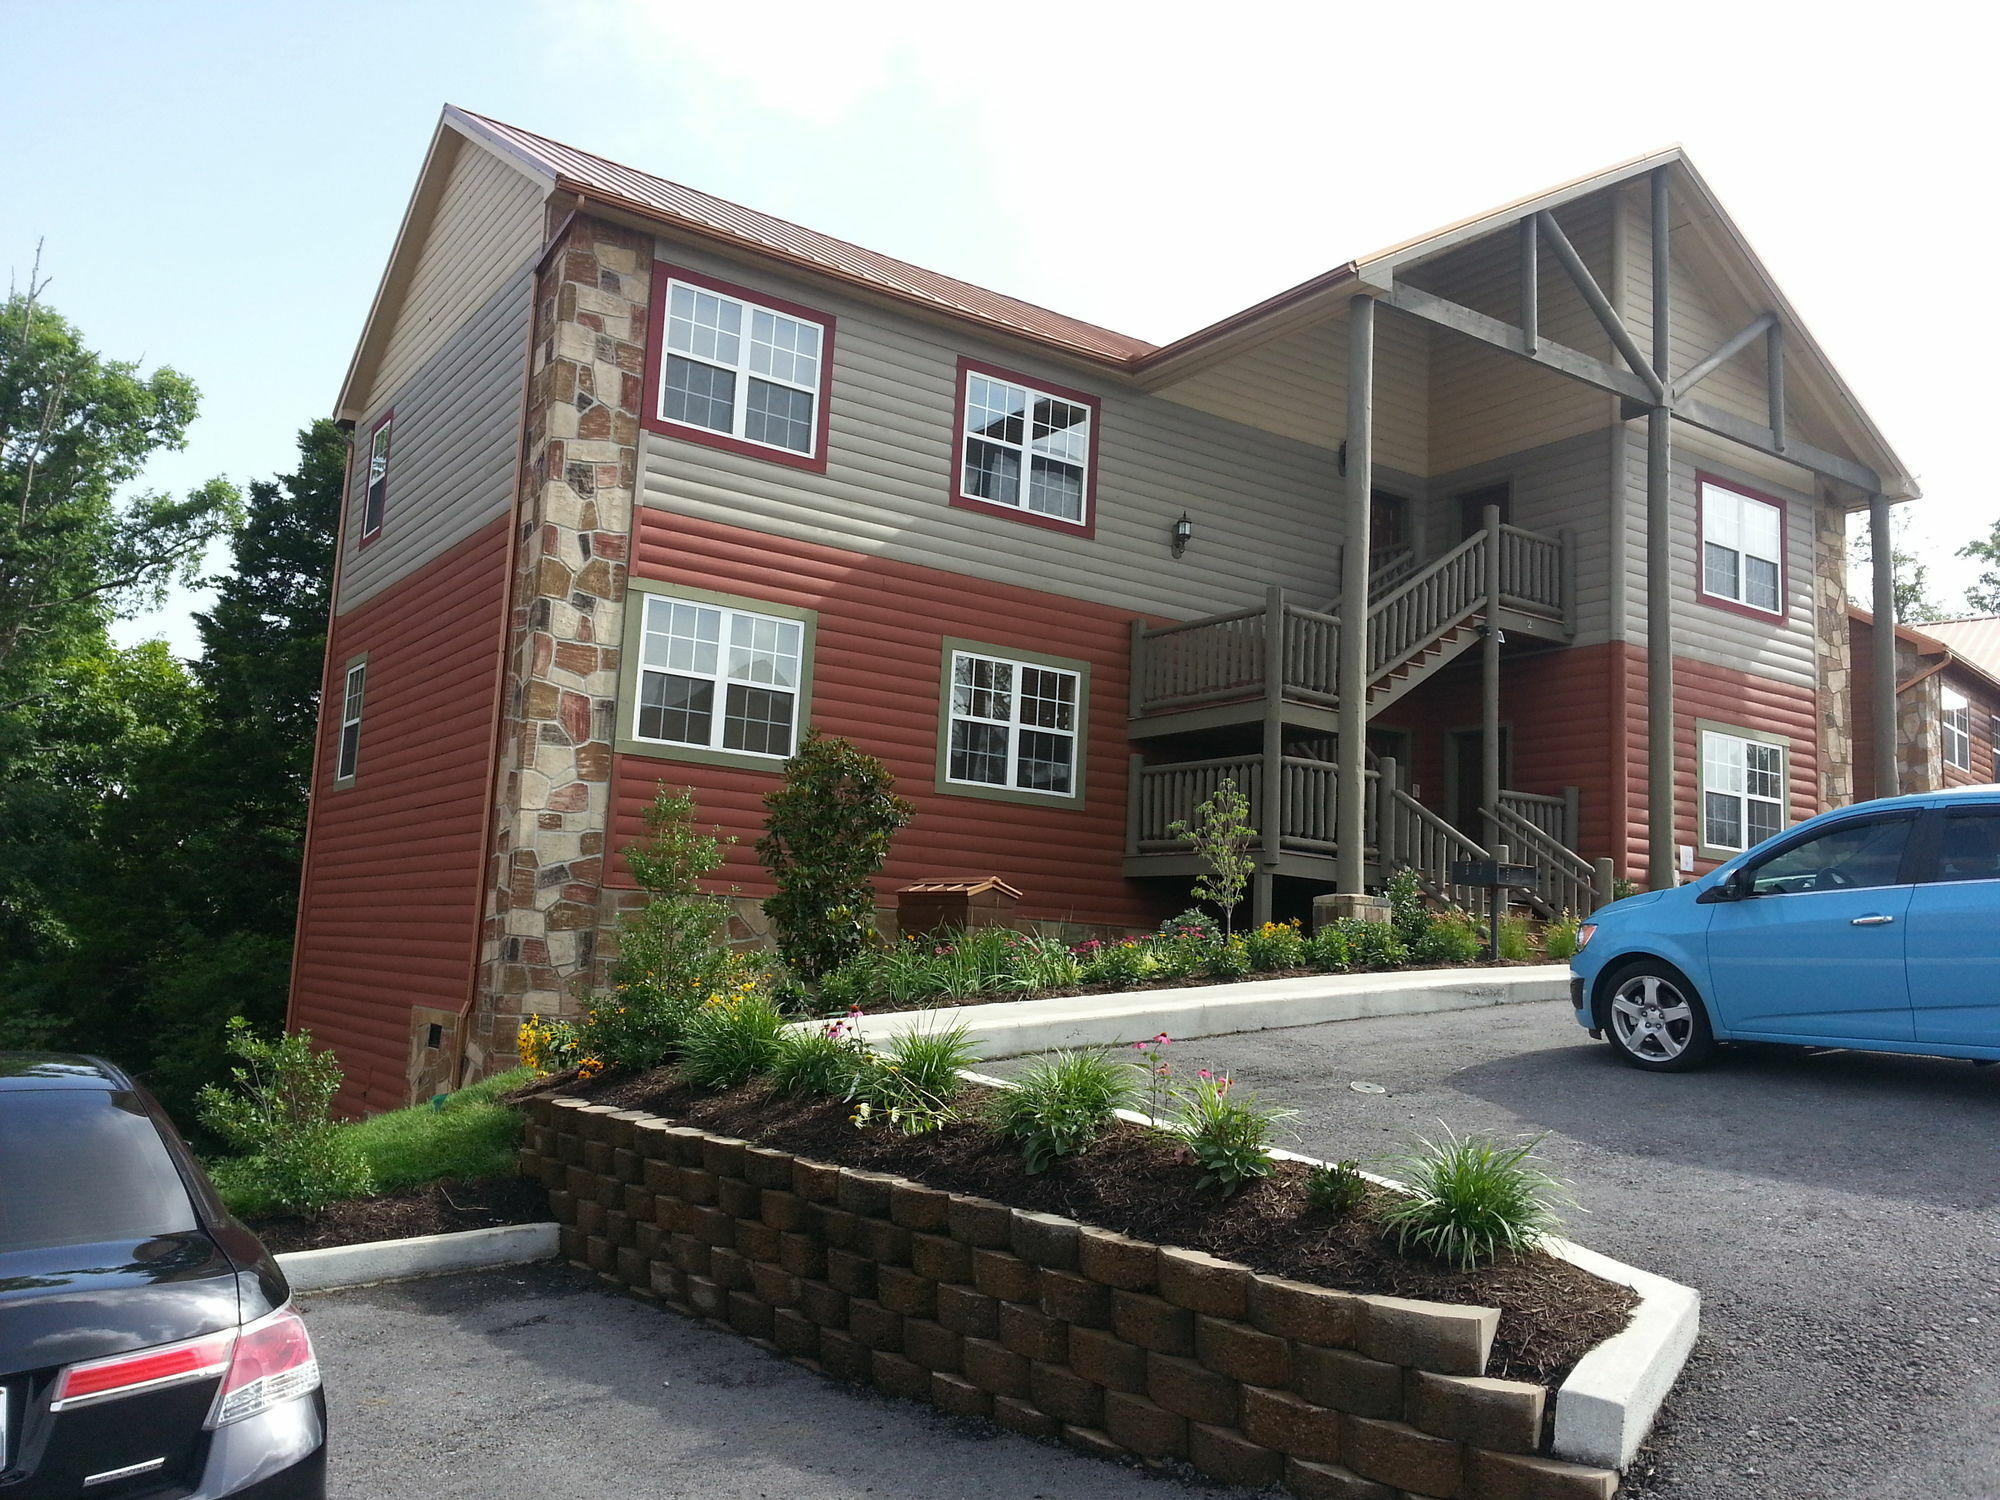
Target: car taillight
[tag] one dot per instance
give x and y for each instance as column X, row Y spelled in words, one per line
column 1584, row 934
column 149, row 1369
column 273, row 1362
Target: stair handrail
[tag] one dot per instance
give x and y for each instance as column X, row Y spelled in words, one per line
column 1571, row 878
column 1554, row 850
column 1438, row 623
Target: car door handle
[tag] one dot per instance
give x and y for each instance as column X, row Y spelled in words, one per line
column 1875, row 921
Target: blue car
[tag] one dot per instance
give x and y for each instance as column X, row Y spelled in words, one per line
column 1874, row 927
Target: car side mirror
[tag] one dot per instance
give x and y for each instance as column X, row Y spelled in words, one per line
column 1735, row 888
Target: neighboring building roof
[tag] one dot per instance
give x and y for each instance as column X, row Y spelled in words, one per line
column 1952, row 644
column 1976, row 640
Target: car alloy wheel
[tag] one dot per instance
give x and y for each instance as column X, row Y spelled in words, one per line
column 1656, row 1021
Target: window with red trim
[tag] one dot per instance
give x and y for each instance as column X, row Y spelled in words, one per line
column 375, row 499
column 1025, row 448
column 737, row 369
column 1742, row 549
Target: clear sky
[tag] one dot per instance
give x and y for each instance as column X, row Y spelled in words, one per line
column 218, row 184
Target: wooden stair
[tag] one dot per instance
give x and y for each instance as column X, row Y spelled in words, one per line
column 1440, row 652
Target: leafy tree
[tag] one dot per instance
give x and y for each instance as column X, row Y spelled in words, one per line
column 278, row 1118
column 825, row 839
column 1983, row 596
column 1222, row 836
column 75, row 428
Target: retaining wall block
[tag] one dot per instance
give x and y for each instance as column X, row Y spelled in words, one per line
column 1514, row 1476
column 1225, row 1454
column 1116, row 1260
column 1397, row 1454
column 1203, row 1283
column 1436, row 1336
column 1291, row 1424
column 979, row 1222
column 1349, row 1382
column 1144, row 1427
column 1504, row 1415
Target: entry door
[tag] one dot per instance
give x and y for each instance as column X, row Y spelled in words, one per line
column 1472, row 507
column 1466, row 757
column 1954, row 934
column 1816, row 949
column 1388, row 522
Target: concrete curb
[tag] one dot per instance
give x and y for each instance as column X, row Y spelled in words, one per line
column 1012, row 1028
column 1607, row 1405
column 424, row 1255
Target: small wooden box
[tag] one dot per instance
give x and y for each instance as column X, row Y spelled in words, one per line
column 955, row 905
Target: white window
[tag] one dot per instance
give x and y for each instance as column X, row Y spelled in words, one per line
column 1741, row 549
column 1025, row 448
column 1742, row 790
column 1012, row 724
column 377, row 496
column 350, row 722
column 717, row 678
column 1957, row 730
column 741, row 370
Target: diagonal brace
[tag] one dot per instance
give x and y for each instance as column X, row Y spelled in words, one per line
column 1599, row 304
column 1723, row 354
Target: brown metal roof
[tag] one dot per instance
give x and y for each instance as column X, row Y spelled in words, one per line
column 705, row 214
column 1976, row 640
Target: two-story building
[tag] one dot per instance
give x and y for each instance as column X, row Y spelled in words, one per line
column 644, row 483
column 1947, row 705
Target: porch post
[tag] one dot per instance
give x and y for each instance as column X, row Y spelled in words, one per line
column 1273, row 816
column 1489, row 688
column 1882, row 707
column 1349, row 822
column 1660, row 862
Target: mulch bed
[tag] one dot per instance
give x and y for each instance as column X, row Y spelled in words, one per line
column 1134, row 1182
column 440, row 1208
column 881, row 1006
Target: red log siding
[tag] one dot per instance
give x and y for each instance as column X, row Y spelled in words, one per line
column 1985, row 704
column 392, row 897
column 1557, row 706
column 876, row 677
column 1736, row 698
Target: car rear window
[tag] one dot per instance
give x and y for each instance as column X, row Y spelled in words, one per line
column 83, row 1166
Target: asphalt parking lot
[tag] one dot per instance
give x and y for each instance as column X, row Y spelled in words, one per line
column 1840, row 1214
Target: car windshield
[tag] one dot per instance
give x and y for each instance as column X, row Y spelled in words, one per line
column 82, row 1167
column 1852, row 856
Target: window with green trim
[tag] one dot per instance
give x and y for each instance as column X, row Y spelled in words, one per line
column 1012, row 724
column 718, row 678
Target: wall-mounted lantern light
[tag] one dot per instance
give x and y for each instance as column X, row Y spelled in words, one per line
column 1183, row 534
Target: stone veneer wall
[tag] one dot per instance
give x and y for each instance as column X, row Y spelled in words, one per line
column 1919, row 723
column 1045, row 1326
column 548, row 913
column 1836, row 680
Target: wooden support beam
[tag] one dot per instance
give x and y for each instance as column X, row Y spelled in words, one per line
column 1600, row 305
column 1764, row 440
column 1505, row 337
column 1725, row 352
column 1351, row 787
column 1774, row 381
column 1531, row 290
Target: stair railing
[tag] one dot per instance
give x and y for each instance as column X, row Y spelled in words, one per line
column 1564, row 879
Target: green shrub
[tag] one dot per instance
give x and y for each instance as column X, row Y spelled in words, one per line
column 1331, row 948
column 1471, row 1199
column 1192, row 923
column 1336, row 1188
column 911, row 1085
column 825, row 839
column 1127, row 961
column 1448, row 938
column 1409, row 914
column 1226, row 1134
column 673, row 952
column 1182, row 957
column 1373, row 945
column 1228, row 959
column 1516, row 942
column 1040, row 963
column 1559, row 937
column 731, row 1040
column 291, row 1156
column 817, row 1060
column 1275, row 946
column 1061, row 1104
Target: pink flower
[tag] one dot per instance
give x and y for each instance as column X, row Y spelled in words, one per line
column 1205, row 1074
column 1163, row 1039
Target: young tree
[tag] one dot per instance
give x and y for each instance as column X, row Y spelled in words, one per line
column 825, row 839
column 1222, row 836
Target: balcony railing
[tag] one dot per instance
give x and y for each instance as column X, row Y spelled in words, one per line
column 1164, row 795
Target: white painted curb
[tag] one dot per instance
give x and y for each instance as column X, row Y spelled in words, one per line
column 424, row 1255
column 1607, row 1405
column 1012, row 1028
